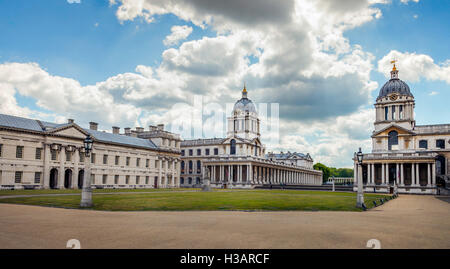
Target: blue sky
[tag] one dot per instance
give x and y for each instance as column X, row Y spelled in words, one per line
column 95, row 47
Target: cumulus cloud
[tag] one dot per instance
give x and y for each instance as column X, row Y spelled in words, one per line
column 177, row 34
column 406, row 1
column 415, row 66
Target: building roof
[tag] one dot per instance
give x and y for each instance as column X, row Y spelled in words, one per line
column 288, row 155
column 44, row 127
column 244, row 104
column 202, row 142
column 394, row 85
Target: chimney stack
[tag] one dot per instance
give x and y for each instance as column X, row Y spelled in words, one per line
column 139, row 129
column 127, row 131
column 115, row 130
column 93, row 126
column 160, row 127
column 70, row 121
column 152, row 128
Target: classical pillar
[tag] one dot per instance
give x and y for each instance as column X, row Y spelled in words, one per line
column 402, row 175
column 428, row 174
column 417, row 175
column 62, row 159
column 373, row 174
column 76, row 158
column 46, row 174
column 433, row 174
column 383, row 173
column 160, row 172
column 166, row 171
column 387, row 174
column 397, row 173
column 413, row 174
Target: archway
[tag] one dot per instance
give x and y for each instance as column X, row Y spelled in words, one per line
column 393, row 140
column 80, row 179
column 68, row 179
column 53, row 178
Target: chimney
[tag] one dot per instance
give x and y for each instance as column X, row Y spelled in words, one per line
column 70, row 121
column 127, row 131
column 93, row 126
column 152, row 128
column 160, row 127
column 133, row 133
column 139, row 129
column 115, row 130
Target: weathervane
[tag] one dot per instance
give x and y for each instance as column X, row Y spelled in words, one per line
column 393, row 62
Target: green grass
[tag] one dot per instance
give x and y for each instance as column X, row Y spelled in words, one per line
column 32, row 192
column 253, row 200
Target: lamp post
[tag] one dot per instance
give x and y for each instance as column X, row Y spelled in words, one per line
column 360, row 194
column 86, row 193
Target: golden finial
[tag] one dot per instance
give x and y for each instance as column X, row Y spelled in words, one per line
column 393, row 62
column 244, row 90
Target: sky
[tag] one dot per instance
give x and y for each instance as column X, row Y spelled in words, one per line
column 129, row 63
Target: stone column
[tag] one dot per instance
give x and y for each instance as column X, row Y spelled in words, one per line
column 397, row 172
column 402, row 175
column 428, row 174
column 387, row 174
column 383, row 173
column 76, row 158
column 46, row 174
column 413, row 174
column 61, row 174
column 160, row 160
column 433, row 174
column 417, row 175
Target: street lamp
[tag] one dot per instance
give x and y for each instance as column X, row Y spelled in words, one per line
column 86, row 193
column 360, row 194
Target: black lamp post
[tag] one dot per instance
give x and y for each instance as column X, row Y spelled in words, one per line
column 86, row 193
column 360, row 194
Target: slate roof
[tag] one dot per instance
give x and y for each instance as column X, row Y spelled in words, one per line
column 394, row 85
column 288, row 155
column 44, row 127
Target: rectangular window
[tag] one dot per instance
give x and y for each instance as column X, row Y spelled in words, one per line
column 386, row 113
column 163, row 166
column 92, row 157
column 199, row 152
column 137, row 179
column 147, row 178
column 93, row 178
column 440, row 143
column 105, row 177
column 38, row 155
column 423, row 144
column 37, row 177
column 128, row 161
column 19, row 152
column 207, row 152
column 191, row 152
column 18, row 177
column 68, row 156
column 1, row 150
column 393, row 112
column 138, row 162
column 53, row 153
column 117, row 160
column 116, row 179
column 147, row 163
column 216, row 151
column 127, row 180
column 156, row 164
column 182, row 152
column 81, row 157
column 401, row 111
column 105, row 159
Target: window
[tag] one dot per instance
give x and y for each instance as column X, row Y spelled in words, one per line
column 92, row 157
column 105, row 159
column 393, row 140
column 38, row 155
column 137, row 179
column 181, row 180
column 128, row 161
column 156, row 164
column 105, row 177
column 190, row 167
column 18, row 177
column 93, row 178
column 182, row 152
column 68, row 156
column 190, row 152
column 138, row 162
column 199, row 167
column 233, row 147
column 401, row 111
column 1, row 149
column 37, row 177
column 117, row 161
column 393, row 112
column 53, row 153
column 182, row 167
column 216, row 151
column 423, row 144
column 386, row 112
column 207, row 152
column 81, row 156
column 116, row 179
column 190, row 180
column 199, row 152
column 440, row 143
column 197, row 180
column 19, row 152
column 147, row 179
column 147, row 163
column 127, row 180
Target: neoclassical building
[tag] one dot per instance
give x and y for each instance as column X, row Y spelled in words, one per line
column 240, row 160
column 39, row 154
column 413, row 157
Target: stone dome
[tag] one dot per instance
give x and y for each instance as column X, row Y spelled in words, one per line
column 395, row 85
column 244, row 104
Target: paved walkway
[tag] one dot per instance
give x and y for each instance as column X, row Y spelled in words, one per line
column 407, row 222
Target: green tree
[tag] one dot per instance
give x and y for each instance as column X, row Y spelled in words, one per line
column 332, row 171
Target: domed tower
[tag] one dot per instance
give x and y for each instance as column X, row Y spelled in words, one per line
column 244, row 120
column 395, row 104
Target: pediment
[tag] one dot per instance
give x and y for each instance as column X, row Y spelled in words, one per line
column 70, row 131
column 393, row 127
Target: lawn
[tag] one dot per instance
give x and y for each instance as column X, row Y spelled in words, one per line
column 250, row 200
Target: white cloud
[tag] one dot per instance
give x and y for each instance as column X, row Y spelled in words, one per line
column 74, row 1
column 412, row 67
column 433, row 93
column 177, row 34
column 406, row 1
column 415, row 16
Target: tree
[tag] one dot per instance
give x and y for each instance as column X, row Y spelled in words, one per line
column 332, row 171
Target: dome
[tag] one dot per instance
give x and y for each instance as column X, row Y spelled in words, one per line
column 244, row 104
column 395, row 85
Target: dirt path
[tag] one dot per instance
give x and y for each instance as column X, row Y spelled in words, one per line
column 407, row 222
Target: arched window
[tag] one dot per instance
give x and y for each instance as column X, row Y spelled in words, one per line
column 190, row 167
column 233, row 147
column 392, row 140
column 386, row 112
column 182, row 167
column 181, row 180
column 199, row 167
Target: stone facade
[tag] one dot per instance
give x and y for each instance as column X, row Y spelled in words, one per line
column 412, row 157
column 240, row 160
column 36, row 154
